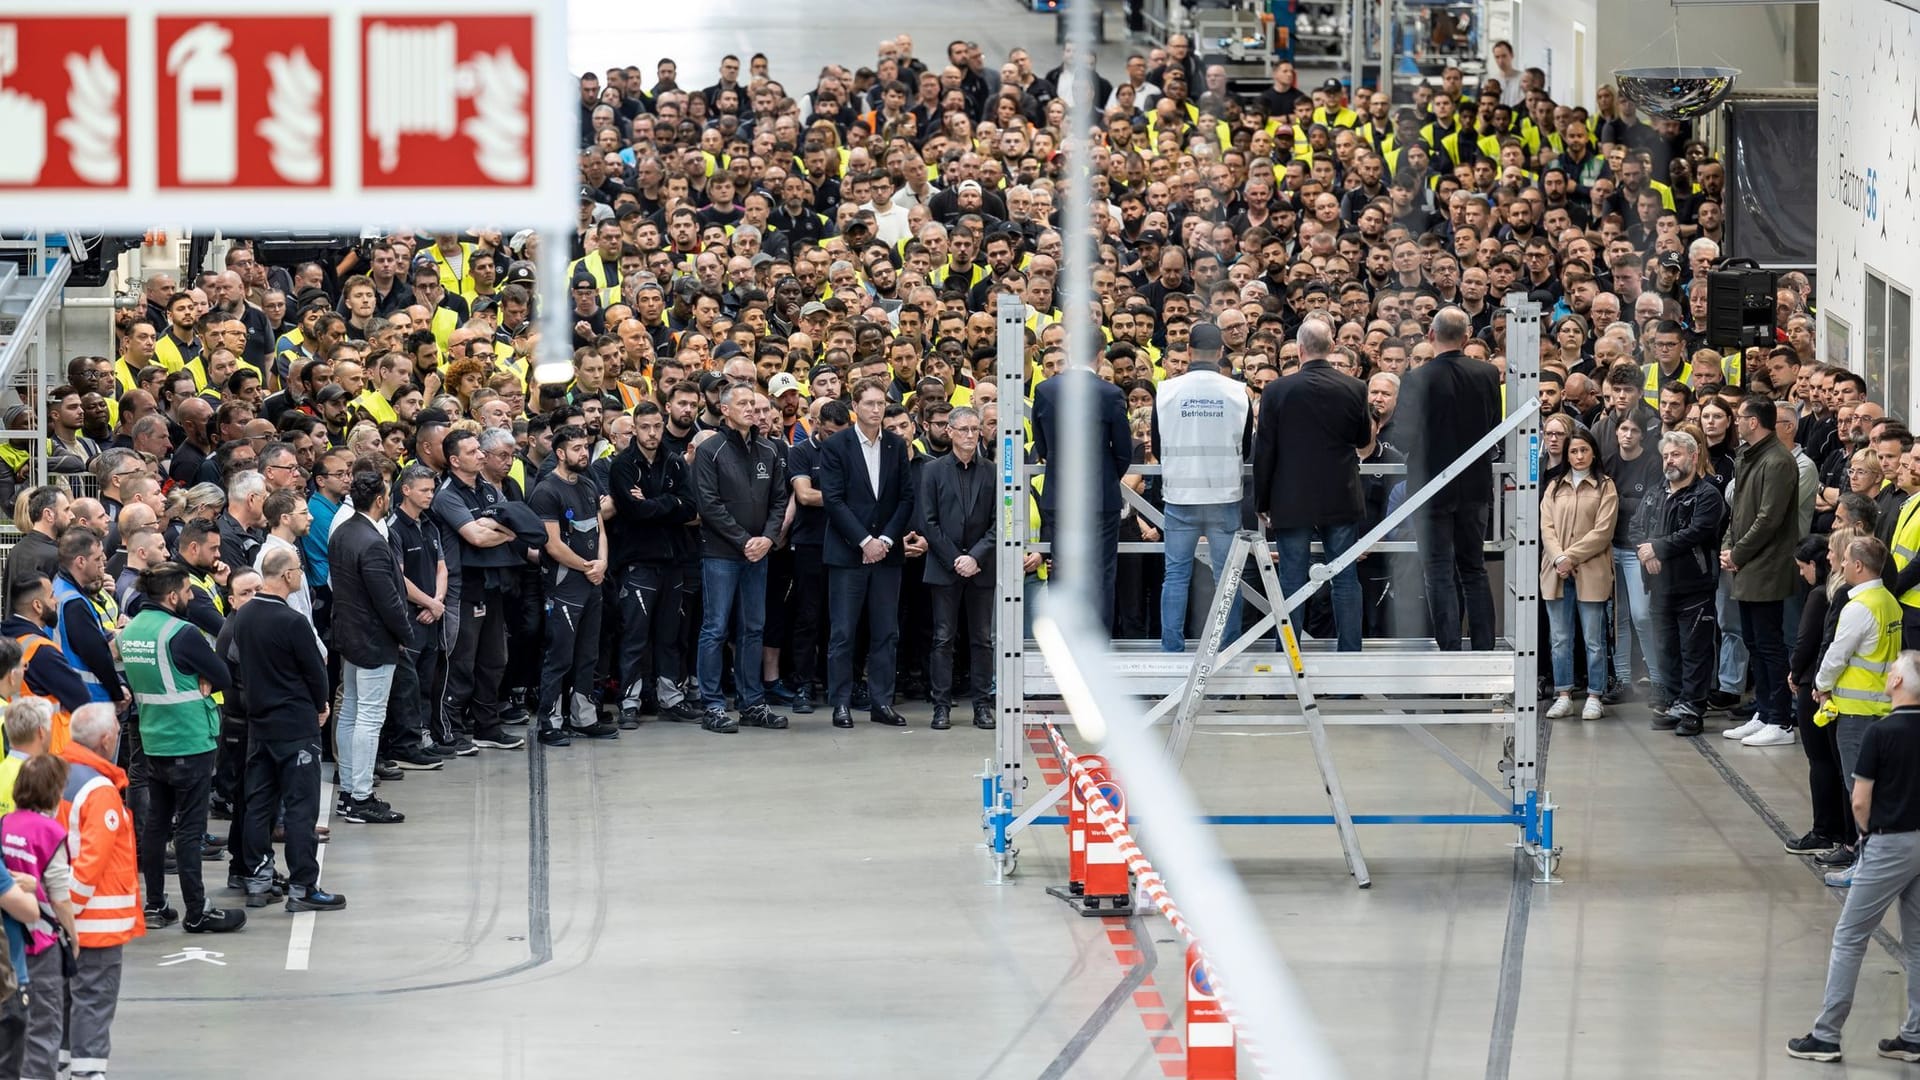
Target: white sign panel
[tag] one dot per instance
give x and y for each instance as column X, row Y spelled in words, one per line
column 118, row 115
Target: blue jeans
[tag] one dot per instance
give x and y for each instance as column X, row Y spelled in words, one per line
column 1296, row 554
column 1632, row 619
column 1733, row 646
column 1185, row 525
column 363, row 711
column 1592, row 615
column 734, row 592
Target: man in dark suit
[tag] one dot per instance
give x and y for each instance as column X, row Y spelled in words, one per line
column 369, row 624
column 1112, row 448
column 1451, row 401
column 956, row 493
column 1306, row 472
column 867, row 489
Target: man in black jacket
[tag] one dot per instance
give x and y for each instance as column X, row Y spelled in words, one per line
column 1452, row 401
column 283, row 678
column 1113, row 450
column 807, row 535
column 867, row 488
column 1677, row 532
column 369, row 626
column 1306, row 474
column 423, row 574
column 652, row 505
column 956, row 497
column 740, row 493
column 574, row 567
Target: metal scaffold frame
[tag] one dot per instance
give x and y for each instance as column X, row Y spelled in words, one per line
column 1399, row 682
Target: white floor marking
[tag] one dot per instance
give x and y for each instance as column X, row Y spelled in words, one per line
column 300, row 941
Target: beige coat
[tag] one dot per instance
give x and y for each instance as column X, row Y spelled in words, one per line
column 1577, row 521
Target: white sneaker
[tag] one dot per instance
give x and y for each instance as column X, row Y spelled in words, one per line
column 1772, row 735
column 1593, row 709
column 1562, row 707
column 1753, row 724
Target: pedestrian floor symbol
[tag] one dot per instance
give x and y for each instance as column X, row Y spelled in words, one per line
column 190, row 954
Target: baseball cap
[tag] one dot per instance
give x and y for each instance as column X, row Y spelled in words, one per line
column 521, row 271
column 782, row 382
column 1332, row 86
column 330, row 392
column 813, row 307
column 968, row 185
column 821, row 369
column 711, row 381
column 1672, row 260
column 602, row 212
column 1205, row 336
column 761, row 259
column 727, row 350
column 583, row 278
column 1152, row 237
column 483, row 303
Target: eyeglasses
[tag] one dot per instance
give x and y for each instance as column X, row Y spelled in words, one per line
column 971, row 429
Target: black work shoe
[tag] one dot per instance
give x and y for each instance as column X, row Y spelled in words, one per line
column 1808, row 1048
column 761, row 716
column 1899, row 1049
column 842, row 716
column 720, row 723
column 630, row 718
column 803, row 702
column 1839, row 858
column 387, row 770
column 861, row 699
column 502, row 741
column 599, row 729
column 316, row 899
column 942, row 717
column 263, row 897
column 415, row 759
column 1665, row 721
column 983, row 715
column 514, row 715
column 885, row 714
column 443, row 751
column 1687, row 725
column 684, row 711
column 1811, row 844
column 554, row 737
column 464, row 746
column 161, row 917
column 215, row 920
column 371, row 811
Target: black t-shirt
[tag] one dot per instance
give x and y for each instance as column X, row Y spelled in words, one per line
column 809, row 522
column 575, row 505
column 1890, row 757
column 1633, row 481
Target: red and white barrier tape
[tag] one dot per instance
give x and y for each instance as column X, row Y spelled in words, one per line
column 1100, row 811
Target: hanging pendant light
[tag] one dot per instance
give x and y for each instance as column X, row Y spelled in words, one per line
column 1676, row 93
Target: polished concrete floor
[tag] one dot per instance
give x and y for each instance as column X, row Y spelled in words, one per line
column 815, row 903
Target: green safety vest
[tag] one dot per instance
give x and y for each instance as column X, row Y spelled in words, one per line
column 1906, row 540
column 176, row 719
column 1861, row 689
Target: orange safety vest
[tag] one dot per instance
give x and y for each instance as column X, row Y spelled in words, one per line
column 62, row 731
column 101, row 852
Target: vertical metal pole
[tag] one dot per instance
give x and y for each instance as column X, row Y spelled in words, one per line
column 1075, row 468
column 1356, row 30
column 1523, row 586
column 1010, row 615
column 1386, row 48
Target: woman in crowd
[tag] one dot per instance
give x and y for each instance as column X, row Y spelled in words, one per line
column 1578, row 512
column 1716, row 420
column 1635, row 472
column 1833, row 827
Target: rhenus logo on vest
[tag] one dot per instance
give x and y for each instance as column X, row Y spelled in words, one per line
column 1203, row 408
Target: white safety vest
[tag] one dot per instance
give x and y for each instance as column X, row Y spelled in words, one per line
column 1202, row 416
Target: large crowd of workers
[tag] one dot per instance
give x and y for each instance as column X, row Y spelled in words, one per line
column 325, row 511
